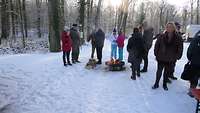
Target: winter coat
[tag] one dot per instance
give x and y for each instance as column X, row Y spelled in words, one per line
column 168, row 51
column 75, row 37
column 148, row 38
column 193, row 53
column 135, row 47
column 92, row 38
column 120, row 41
column 66, row 42
column 99, row 38
column 113, row 39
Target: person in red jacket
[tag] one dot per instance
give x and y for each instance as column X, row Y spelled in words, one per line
column 66, row 46
column 120, row 43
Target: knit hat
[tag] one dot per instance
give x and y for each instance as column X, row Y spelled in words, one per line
column 114, row 30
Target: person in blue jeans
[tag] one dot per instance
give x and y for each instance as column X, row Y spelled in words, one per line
column 120, row 43
column 113, row 39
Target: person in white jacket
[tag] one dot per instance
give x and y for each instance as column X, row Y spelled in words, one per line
column 113, row 39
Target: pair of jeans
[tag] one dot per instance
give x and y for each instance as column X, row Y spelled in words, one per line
column 114, row 51
column 64, row 57
column 120, row 50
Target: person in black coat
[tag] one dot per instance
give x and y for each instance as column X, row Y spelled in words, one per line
column 147, row 35
column 99, row 43
column 136, row 49
column 193, row 55
column 75, row 43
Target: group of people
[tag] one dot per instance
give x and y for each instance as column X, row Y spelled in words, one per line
column 70, row 42
column 168, row 49
column 117, row 43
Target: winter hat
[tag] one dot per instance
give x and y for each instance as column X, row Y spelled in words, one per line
column 114, row 30
column 75, row 25
column 177, row 25
column 66, row 28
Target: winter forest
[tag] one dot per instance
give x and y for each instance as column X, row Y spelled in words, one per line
column 21, row 19
column 99, row 56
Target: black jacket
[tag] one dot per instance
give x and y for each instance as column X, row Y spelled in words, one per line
column 75, row 36
column 135, row 47
column 193, row 53
column 99, row 38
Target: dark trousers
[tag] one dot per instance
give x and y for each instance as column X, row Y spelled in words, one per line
column 75, row 52
column 93, row 51
column 135, row 66
column 172, row 69
column 145, row 58
column 194, row 77
column 99, row 53
column 166, row 66
column 64, row 57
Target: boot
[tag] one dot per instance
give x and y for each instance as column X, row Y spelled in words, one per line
column 173, row 77
column 155, row 86
column 133, row 77
column 69, row 64
column 165, row 87
column 99, row 62
column 143, row 71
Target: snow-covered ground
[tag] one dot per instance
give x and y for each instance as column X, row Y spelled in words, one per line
column 39, row 83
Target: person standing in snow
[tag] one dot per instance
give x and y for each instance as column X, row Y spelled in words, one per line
column 75, row 43
column 147, row 34
column 168, row 49
column 92, row 39
column 193, row 55
column 113, row 39
column 99, row 43
column 135, row 49
column 66, row 46
column 171, row 75
column 120, row 43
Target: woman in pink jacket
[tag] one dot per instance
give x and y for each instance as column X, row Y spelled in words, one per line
column 120, row 43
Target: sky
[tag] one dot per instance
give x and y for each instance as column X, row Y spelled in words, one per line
column 178, row 3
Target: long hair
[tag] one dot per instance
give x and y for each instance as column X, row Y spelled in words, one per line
column 173, row 24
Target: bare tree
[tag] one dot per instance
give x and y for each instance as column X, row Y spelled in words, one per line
column 97, row 17
column 54, row 28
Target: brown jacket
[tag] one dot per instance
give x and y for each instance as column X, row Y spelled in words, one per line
column 168, row 51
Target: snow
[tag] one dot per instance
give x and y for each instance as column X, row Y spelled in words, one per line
column 39, row 83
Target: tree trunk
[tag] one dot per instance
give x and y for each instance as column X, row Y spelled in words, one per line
column 97, row 17
column 25, row 17
column 38, row 5
column 191, row 16
column 88, row 18
column 198, row 4
column 54, row 25
column 19, row 4
column 4, row 20
column 82, row 18
column 62, row 13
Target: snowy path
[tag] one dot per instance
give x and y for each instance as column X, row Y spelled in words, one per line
column 38, row 83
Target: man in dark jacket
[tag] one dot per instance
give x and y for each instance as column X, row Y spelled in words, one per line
column 91, row 38
column 75, row 43
column 136, row 49
column 168, row 49
column 99, row 43
column 148, row 40
column 193, row 55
